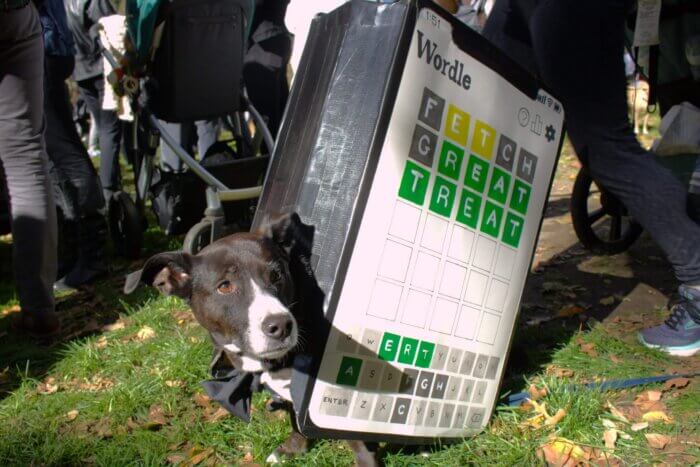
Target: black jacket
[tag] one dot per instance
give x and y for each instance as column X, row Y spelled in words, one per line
column 82, row 20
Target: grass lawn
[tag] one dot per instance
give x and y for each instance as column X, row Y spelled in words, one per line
column 122, row 387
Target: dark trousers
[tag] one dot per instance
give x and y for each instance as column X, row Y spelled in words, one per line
column 109, row 128
column 24, row 160
column 79, row 192
column 577, row 49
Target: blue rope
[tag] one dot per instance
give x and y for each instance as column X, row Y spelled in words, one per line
column 517, row 399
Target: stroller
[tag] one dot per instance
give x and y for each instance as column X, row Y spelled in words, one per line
column 183, row 62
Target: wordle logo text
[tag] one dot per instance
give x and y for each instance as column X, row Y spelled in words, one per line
column 470, row 174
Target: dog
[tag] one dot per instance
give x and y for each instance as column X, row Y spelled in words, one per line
column 638, row 101
column 242, row 289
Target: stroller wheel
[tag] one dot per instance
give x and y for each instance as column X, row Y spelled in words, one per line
column 600, row 220
column 125, row 226
column 197, row 237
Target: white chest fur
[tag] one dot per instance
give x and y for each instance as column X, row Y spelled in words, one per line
column 279, row 382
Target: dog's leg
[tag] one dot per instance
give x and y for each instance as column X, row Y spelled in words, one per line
column 295, row 444
column 645, row 124
column 364, row 457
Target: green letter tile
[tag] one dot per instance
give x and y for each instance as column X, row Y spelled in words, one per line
column 520, row 196
column 513, row 230
column 389, row 346
column 349, row 371
column 499, row 186
column 492, row 219
column 414, row 183
column 477, row 170
column 451, row 157
column 409, row 347
column 425, row 354
column 443, row 198
column 469, row 207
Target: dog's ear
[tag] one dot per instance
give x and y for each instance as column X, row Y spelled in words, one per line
column 288, row 231
column 168, row 272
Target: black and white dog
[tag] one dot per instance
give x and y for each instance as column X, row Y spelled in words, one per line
column 243, row 290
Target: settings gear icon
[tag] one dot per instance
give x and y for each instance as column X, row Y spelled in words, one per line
column 550, row 133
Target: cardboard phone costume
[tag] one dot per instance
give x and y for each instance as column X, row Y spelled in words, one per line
column 423, row 158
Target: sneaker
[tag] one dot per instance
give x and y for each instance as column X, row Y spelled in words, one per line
column 679, row 335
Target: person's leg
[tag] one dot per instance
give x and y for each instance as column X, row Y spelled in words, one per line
column 586, row 71
column 24, row 161
column 110, row 130
column 207, row 134
column 82, row 258
column 182, row 133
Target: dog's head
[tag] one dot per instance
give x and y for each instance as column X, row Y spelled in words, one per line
column 239, row 288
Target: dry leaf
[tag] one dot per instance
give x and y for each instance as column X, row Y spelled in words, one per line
column 156, row 418
column 607, row 301
column 47, row 387
column 101, row 343
column 589, row 349
column 533, row 422
column 614, row 358
column 201, row 399
column 247, row 459
column 657, row 440
column 10, row 310
column 102, row 429
column 678, row 383
column 639, row 426
column 569, row 311
column 536, row 394
column 654, row 395
column 175, row 459
column 616, row 413
column 174, row 383
column 656, row 416
column 563, row 452
column 145, row 333
column 559, row 372
column 609, row 424
column 556, row 418
column 115, row 326
column 610, row 438
column 197, row 455
column 71, row 415
column 217, row 415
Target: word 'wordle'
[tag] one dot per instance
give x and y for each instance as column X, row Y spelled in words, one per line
column 493, row 201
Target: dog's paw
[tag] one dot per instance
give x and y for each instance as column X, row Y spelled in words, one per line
column 294, row 445
column 274, row 459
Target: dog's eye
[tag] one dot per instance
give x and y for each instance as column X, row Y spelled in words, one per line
column 274, row 277
column 226, row 287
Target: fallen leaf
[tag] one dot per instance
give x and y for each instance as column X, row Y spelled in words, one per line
column 10, row 310
column 569, row 311
column 657, row 440
column 156, row 418
column 639, row 426
column 535, row 422
column 609, row 424
column 174, row 383
column 217, row 415
column 656, row 416
column 556, row 418
column 607, row 301
column 678, row 383
column 247, row 458
column 197, row 455
column 610, row 438
column 654, row 395
column 115, row 326
column 614, row 358
column 101, row 343
column 71, row 415
column 145, row 333
column 589, row 349
column 201, row 399
column 536, row 394
column 616, row 413
column 46, row 388
column 563, row 452
column 102, row 429
column 559, row 372
column 175, row 459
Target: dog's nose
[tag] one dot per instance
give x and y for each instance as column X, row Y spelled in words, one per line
column 277, row 326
